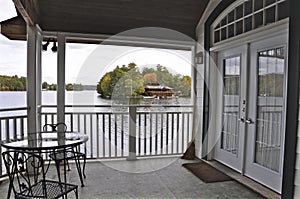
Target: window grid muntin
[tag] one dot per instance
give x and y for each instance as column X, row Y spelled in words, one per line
column 231, row 104
column 267, row 4
column 270, row 107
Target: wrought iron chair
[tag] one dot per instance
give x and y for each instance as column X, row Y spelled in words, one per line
column 71, row 153
column 28, row 177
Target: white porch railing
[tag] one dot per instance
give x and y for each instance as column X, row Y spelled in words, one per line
column 155, row 130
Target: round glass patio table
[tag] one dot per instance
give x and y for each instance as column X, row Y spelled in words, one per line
column 44, row 142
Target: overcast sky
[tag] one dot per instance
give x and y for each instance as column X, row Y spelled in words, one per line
column 85, row 63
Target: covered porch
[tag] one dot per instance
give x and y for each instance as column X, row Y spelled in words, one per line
column 178, row 25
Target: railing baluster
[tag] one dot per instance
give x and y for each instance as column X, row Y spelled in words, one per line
column 156, row 136
column 52, row 118
column 150, row 123
column 97, row 134
column 7, row 129
column 122, row 135
column 45, row 120
column 116, row 134
column 78, row 122
column 167, row 134
column 172, row 134
column 72, row 121
column 177, row 133
column 188, row 132
column 161, row 133
column 109, row 135
column 91, row 135
column 15, row 128
column 139, row 134
column 84, row 129
column 182, row 132
column 22, row 128
column 103, row 134
column 145, row 134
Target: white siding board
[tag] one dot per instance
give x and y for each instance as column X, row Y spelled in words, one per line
column 297, row 177
column 298, row 134
column 297, row 192
column 297, row 164
column 298, row 146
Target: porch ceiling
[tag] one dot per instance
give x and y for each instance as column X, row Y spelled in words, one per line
column 105, row 16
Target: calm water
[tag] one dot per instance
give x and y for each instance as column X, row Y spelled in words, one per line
column 18, row 99
column 11, row 99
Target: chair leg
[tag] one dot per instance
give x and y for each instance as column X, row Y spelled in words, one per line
column 76, row 193
column 57, row 163
column 84, row 162
column 77, row 162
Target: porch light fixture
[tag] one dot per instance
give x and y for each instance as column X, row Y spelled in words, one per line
column 199, row 58
column 54, row 47
column 45, row 46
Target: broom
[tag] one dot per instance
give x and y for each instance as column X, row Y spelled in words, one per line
column 190, row 153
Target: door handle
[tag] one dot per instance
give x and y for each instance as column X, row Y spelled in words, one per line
column 249, row 121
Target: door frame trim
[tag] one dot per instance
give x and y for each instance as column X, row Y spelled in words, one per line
column 292, row 109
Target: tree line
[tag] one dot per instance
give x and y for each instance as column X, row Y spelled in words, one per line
column 12, row 83
column 15, row 83
column 128, row 81
column 69, row 87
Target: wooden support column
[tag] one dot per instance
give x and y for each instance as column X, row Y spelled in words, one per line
column 61, row 81
column 34, row 41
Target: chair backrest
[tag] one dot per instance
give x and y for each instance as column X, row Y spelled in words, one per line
column 55, row 127
column 24, row 170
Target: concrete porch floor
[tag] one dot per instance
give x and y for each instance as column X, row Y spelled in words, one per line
column 146, row 178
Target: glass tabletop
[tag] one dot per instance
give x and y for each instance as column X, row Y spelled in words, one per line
column 46, row 141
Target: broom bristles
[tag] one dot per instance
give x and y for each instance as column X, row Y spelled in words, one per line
column 189, row 154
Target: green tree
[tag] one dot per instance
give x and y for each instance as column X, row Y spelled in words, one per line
column 121, row 82
column 148, row 71
column 45, row 85
column 52, row 87
column 69, row 87
column 103, row 87
column 12, row 83
column 128, row 81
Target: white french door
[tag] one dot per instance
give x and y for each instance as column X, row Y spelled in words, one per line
column 232, row 95
column 253, row 109
column 267, row 91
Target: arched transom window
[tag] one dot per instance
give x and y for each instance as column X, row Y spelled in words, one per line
column 247, row 15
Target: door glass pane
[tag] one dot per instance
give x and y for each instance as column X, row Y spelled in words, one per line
column 231, row 107
column 270, row 103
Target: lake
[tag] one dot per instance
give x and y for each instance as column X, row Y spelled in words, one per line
column 13, row 99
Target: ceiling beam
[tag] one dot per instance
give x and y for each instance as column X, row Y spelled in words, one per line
column 29, row 10
column 14, row 28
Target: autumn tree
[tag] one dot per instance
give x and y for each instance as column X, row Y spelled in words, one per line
column 123, row 81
